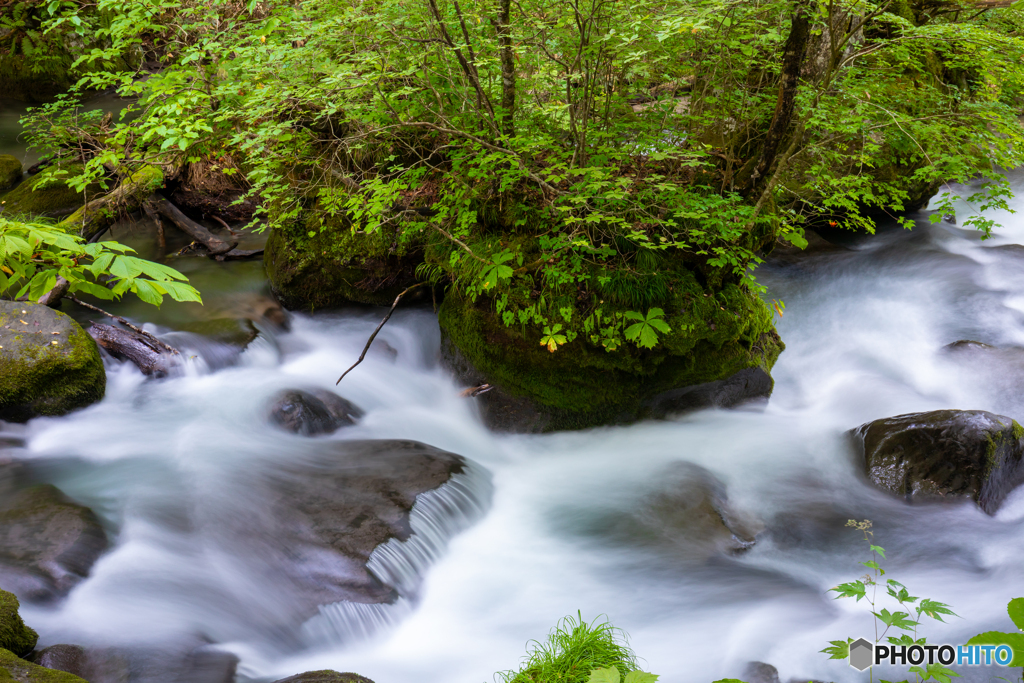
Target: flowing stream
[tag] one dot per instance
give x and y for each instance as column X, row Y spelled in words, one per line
column 865, row 328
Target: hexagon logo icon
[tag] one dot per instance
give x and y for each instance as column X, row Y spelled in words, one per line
column 862, row 654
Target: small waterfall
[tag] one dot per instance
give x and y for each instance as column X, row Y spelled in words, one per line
column 436, row 517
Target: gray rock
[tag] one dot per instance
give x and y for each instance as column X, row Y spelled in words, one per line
column 759, row 672
column 325, row 676
column 688, row 515
column 313, row 412
column 48, row 364
column 47, row 542
column 70, row 658
column 944, row 454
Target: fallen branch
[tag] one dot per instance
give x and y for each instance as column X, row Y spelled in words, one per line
column 374, row 335
column 127, row 345
column 93, row 219
column 213, row 244
column 161, row 238
column 226, row 226
column 53, row 297
column 147, row 335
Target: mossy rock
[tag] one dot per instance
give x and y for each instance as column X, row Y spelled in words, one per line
column 47, row 196
column 10, row 171
column 325, row 676
column 945, row 455
column 719, row 353
column 15, row 636
column 48, row 364
column 312, row 265
column 13, row 668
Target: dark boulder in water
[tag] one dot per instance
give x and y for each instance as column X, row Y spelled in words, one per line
column 313, row 412
column 47, row 542
column 325, row 676
column 945, row 454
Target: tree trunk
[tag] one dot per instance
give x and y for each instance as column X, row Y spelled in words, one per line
column 508, row 69
column 785, row 106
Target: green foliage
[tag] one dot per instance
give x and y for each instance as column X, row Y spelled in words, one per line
column 1015, row 639
column 574, row 652
column 567, row 167
column 907, row 619
column 33, row 255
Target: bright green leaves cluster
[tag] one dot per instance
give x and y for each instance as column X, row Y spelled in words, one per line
column 645, row 332
column 33, row 255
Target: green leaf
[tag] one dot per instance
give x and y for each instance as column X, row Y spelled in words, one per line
column 608, row 675
column 934, row 609
column 840, row 649
column 854, row 589
column 147, row 292
column 1014, row 640
column 640, row 677
column 1015, row 609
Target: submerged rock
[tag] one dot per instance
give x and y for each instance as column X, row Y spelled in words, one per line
column 10, row 171
column 48, row 364
column 687, row 516
column 325, row 676
column 313, row 412
column 14, row 634
column 945, row 454
column 47, row 542
column 722, row 364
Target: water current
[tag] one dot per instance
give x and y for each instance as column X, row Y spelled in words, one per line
column 864, row 325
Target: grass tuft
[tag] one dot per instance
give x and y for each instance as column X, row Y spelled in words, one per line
column 572, row 650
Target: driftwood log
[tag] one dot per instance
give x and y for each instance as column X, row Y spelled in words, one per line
column 134, row 347
column 213, row 244
column 93, row 219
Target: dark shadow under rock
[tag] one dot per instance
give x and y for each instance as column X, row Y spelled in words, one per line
column 47, row 543
column 944, row 454
column 313, row 412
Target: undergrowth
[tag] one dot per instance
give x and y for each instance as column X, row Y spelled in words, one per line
column 573, row 649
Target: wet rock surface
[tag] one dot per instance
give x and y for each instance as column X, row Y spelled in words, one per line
column 944, row 454
column 330, row 512
column 10, row 171
column 22, row 671
column 313, row 412
column 687, row 515
column 48, row 364
column 325, row 676
column 47, row 542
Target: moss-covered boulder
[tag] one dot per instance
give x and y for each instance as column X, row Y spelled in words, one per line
column 48, row 364
column 325, row 676
column 719, row 352
column 945, row 454
column 15, row 636
column 13, row 668
column 320, row 262
column 46, row 195
column 10, row 171
column 48, row 542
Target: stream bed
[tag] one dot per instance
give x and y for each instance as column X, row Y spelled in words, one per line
column 568, row 523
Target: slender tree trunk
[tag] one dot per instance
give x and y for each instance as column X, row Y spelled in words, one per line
column 785, row 107
column 508, row 69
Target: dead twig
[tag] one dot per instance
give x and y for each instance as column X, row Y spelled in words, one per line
column 374, row 335
column 133, row 328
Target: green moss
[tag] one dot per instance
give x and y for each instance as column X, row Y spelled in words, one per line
column 14, row 634
column 582, row 385
column 334, row 266
column 45, row 196
column 38, row 377
column 10, row 171
column 93, row 217
column 26, row 672
column 1018, row 431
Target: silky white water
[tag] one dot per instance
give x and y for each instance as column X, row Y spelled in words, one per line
column 160, row 462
